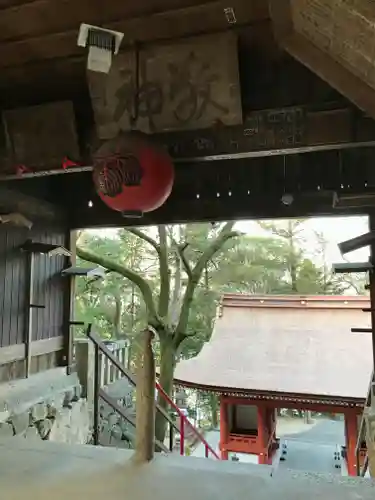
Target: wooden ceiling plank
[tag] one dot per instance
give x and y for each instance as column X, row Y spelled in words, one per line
column 44, row 17
column 194, row 20
column 318, row 61
column 280, row 14
column 6, row 4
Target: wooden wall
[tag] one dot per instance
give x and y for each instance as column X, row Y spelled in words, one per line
column 50, row 290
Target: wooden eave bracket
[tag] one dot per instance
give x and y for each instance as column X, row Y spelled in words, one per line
column 89, row 272
column 44, row 248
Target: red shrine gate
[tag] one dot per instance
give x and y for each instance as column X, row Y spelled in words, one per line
column 261, row 439
column 269, row 352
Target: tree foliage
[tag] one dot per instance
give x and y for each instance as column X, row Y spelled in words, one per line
column 168, row 300
column 171, row 278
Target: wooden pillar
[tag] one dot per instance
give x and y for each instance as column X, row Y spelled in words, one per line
column 270, row 419
column 369, row 439
column 262, row 437
column 85, row 365
column 224, row 428
column 372, row 286
column 145, row 401
column 69, row 299
column 351, row 431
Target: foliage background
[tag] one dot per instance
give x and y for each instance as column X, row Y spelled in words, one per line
column 277, row 263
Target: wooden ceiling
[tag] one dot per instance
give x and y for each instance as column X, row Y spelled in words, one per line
column 38, row 38
column 46, row 29
column 335, row 39
column 40, row 62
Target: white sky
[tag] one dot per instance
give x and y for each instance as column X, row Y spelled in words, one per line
column 334, row 229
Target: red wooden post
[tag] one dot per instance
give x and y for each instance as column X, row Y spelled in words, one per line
column 269, row 434
column 263, row 456
column 224, row 428
column 351, row 428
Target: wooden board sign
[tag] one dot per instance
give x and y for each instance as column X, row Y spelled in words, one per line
column 39, row 137
column 261, row 131
column 190, row 84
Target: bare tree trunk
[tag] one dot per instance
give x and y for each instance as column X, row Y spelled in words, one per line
column 167, row 366
column 292, row 258
column 175, row 306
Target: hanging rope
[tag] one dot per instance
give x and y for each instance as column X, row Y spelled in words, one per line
column 135, row 114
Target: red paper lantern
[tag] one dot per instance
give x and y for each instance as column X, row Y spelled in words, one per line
column 133, row 175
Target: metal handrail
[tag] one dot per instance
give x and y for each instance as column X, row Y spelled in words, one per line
column 99, row 393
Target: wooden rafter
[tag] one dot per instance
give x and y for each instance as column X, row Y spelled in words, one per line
column 177, row 19
column 318, row 61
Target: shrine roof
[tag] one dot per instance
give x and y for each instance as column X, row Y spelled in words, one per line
column 294, row 345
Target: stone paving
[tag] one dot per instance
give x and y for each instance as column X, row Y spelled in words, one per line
column 310, row 446
column 45, row 471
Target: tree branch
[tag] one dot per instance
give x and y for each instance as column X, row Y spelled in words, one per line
column 140, row 234
column 127, row 273
column 175, row 305
column 225, row 234
column 181, row 253
column 165, row 285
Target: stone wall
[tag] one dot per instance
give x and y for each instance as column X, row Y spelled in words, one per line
column 115, row 430
column 46, row 406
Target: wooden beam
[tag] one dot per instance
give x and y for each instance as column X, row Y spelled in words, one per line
column 196, row 210
column 13, row 200
column 30, row 18
column 273, row 132
column 169, row 24
column 318, row 406
column 18, row 352
column 321, row 63
column 279, row 131
column 243, row 189
column 43, row 17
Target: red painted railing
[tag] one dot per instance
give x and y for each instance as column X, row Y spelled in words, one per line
column 185, row 421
